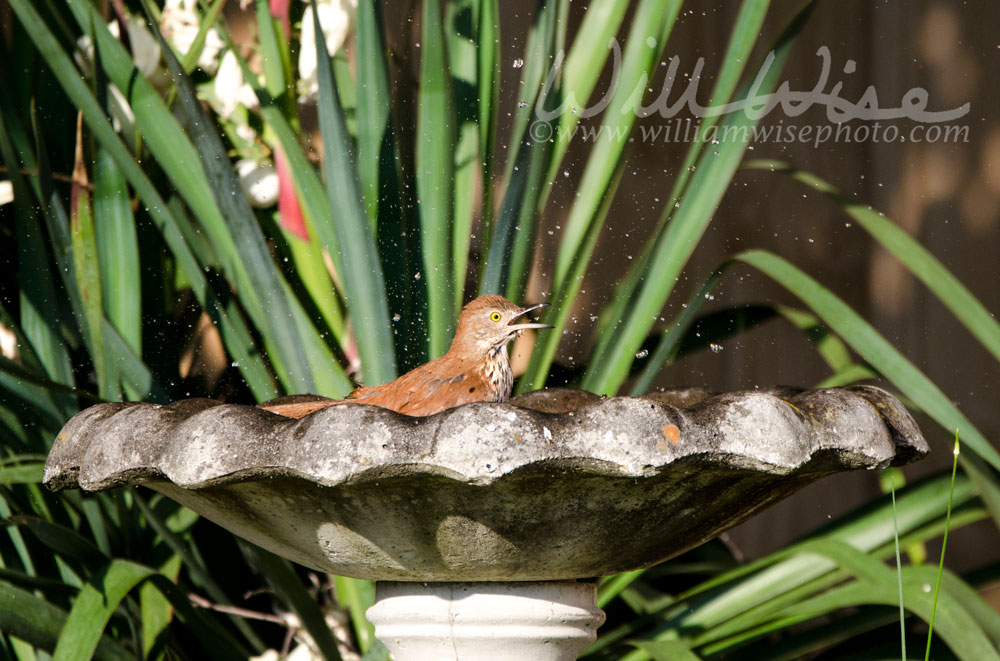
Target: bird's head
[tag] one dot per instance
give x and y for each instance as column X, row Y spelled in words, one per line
column 490, row 322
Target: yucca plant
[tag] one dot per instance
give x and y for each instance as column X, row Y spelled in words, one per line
column 137, row 251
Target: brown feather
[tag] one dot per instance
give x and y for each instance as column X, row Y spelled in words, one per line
column 475, row 368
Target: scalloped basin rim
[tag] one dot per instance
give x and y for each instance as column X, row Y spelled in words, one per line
column 557, row 484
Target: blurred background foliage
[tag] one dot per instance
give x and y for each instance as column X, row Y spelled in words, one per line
column 200, row 200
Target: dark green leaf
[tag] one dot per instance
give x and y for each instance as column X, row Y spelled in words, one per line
column 435, row 168
column 362, row 273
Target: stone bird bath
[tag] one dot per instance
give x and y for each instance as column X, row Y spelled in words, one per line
column 478, row 522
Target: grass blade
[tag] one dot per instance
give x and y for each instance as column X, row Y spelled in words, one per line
column 180, row 160
column 205, row 23
column 463, row 61
column 745, row 34
column 513, row 236
column 674, row 334
column 666, row 650
column 377, row 164
column 195, row 568
column 747, row 587
column 274, row 55
column 944, row 545
column 22, row 474
column 899, row 566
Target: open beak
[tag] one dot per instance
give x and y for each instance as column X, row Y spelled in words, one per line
column 528, row 325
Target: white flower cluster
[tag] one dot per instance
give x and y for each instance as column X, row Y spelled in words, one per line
column 179, row 22
column 336, row 18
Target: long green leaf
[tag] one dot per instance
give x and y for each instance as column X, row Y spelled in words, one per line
column 737, row 591
column 488, row 53
column 673, row 247
column 744, row 35
column 582, row 69
column 93, row 607
column 435, row 168
column 671, row 338
column 271, row 49
column 651, row 28
column 667, row 650
column 134, row 373
column 195, row 567
column 231, row 325
column 959, row 630
column 118, row 251
column 917, row 259
column 88, row 275
column 380, row 174
column 205, row 23
column 864, row 339
column 513, row 237
column 155, row 609
column 357, row 595
column 756, row 591
column 39, row 317
column 265, row 289
column 23, row 474
column 182, row 163
column 38, row 622
column 463, row 62
column 362, row 274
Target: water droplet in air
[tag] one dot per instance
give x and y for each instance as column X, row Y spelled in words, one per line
column 642, row 353
column 518, row 63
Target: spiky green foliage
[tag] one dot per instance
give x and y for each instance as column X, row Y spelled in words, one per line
column 410, row 209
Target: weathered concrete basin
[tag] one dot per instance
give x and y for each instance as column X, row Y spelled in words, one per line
column 558, row 484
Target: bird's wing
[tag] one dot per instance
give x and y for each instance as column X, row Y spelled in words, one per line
column 299, row 409
column 424, row 392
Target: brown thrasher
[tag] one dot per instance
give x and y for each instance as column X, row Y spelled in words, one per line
column 476, row 367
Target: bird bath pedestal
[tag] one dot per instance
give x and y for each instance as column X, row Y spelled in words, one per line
column 484, row 525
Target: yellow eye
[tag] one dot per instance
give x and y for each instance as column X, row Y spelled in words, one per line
column 495, row 316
